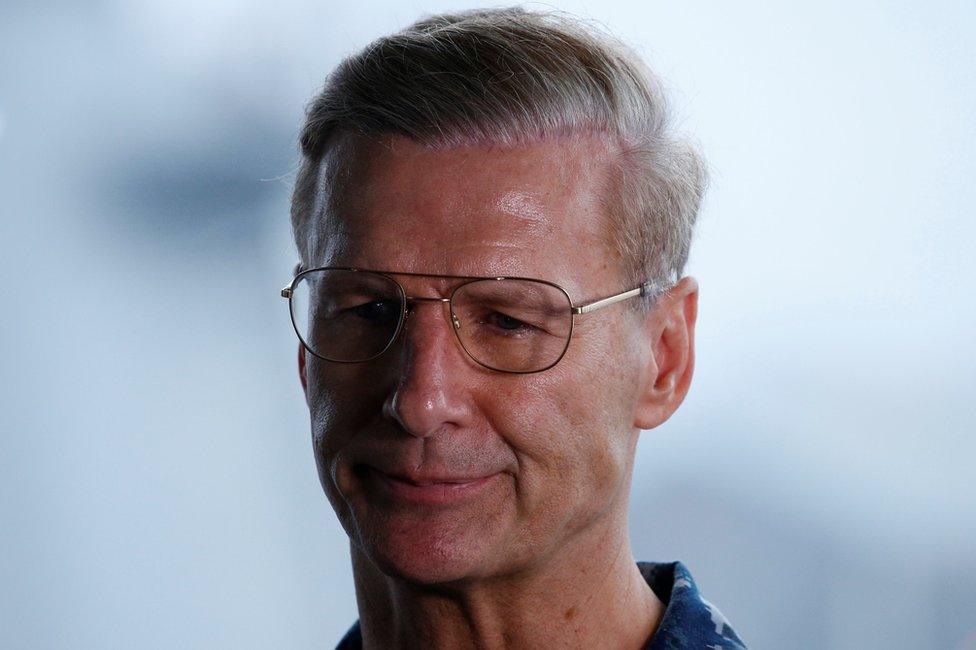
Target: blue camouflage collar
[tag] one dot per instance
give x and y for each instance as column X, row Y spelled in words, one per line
column 689, row 620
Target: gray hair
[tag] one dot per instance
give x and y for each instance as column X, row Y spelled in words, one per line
column 508, row 77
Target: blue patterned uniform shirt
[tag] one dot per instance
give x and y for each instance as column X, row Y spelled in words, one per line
column 689, row 623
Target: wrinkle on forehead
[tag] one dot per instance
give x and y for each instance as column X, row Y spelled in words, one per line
column 515, row 216
column 526, row 209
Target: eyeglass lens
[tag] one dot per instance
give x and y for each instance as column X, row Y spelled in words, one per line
column 510, row 325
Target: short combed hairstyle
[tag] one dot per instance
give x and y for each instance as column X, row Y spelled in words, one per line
column 505, row 77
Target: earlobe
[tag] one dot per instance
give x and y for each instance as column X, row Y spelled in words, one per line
column 670, row 364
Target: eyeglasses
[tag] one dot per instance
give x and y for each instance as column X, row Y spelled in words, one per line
column 508, row 324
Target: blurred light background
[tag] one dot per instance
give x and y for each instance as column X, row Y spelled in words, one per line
column 157, row 487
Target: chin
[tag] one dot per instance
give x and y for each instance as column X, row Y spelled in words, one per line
column 431, row 553
column 430, row 537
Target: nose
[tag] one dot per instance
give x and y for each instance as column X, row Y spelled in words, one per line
column 429, row 394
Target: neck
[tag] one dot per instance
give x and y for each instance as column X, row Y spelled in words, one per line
column 586, row 595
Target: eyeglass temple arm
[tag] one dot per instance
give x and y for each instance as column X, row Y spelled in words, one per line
column 286, row 290
column 645, row 289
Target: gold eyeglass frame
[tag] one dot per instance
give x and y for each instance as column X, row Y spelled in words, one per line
column 647, row 288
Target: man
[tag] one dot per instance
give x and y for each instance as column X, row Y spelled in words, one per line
column 493, row 216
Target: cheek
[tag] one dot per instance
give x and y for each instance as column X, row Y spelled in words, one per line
column 568, row 432
column 340, row 396
column 595, row 446
column 342, row 400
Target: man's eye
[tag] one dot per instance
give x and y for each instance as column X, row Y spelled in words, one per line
column 376, row 312
column 505, row 322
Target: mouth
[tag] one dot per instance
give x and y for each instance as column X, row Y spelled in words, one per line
column 424, row 489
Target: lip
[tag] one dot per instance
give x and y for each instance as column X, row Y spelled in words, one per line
column 429, row 490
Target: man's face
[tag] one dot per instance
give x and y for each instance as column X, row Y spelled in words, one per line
column 438, row 468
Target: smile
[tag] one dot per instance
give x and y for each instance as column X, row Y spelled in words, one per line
column 427, row 490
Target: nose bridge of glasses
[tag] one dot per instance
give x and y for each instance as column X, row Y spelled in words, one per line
column 424, row 335
column 411, row 300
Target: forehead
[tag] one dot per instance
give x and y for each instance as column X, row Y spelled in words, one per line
column 538, row 210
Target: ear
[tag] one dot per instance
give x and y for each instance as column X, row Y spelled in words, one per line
column 301, row 369
column 671, row 362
